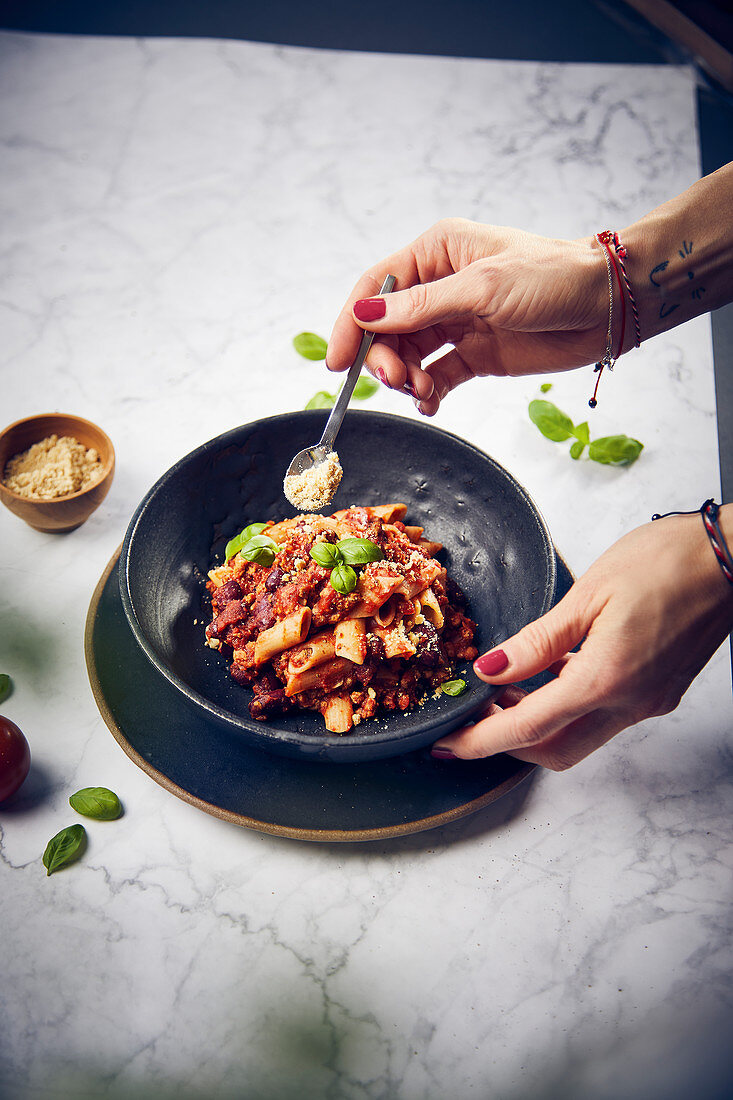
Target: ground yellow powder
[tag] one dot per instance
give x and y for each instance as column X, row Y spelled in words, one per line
column 55, row 467
column 315, row 488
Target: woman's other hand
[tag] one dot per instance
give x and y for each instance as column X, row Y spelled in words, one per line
column 647, row 616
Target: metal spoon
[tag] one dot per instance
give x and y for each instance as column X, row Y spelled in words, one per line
column 319, row 452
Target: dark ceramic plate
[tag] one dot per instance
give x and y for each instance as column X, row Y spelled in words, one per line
column 497, row 549
column 210, row 766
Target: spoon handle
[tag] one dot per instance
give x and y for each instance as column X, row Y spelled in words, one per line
column 342, row 401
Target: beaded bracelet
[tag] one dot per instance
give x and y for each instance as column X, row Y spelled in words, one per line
column 709, row 512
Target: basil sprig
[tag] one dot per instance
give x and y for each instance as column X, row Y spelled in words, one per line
column 64, row 848
column 97, row 802
column 611, row 450
column 339, row 557
column 235, row 545
column 260, row 549
column 454, row 687
column 6, row 686
column 252, row 545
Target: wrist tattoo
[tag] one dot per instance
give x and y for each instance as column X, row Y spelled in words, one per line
column 669, row 305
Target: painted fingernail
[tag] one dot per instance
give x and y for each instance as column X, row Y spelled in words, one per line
column 440, row 753
column 370, row 309
column 409, row 388
column 492, row 663
column 381, row 376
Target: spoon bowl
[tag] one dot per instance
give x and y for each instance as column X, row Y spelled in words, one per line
column 318, row 453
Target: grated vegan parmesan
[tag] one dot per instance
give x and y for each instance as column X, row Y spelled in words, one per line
column 55, row 467
column 314, row 488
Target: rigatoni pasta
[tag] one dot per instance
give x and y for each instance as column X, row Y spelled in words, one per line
column 347, row 615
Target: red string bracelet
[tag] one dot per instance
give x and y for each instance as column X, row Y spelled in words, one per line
column 609, row 359
column 609, row 239
column 620, row 251
column 709, row 512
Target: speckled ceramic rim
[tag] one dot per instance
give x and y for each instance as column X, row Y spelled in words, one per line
column 328, row 835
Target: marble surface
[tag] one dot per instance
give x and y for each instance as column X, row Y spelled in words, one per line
column 172, row 212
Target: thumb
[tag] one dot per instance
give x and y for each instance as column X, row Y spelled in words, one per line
column 421, row 305
column 538, row 645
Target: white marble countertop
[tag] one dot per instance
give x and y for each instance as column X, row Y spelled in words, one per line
column 172, row 212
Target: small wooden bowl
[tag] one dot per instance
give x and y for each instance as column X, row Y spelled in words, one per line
column 64, row 513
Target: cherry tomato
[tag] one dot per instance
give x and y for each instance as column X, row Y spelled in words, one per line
column 15, row 758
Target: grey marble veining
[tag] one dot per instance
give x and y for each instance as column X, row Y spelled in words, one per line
column 171, row 214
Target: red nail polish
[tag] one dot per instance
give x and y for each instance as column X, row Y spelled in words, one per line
column 370, row 309
column 442, row 754
column 381, row 376
column 492, row 663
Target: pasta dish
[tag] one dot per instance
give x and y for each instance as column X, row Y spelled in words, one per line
column 348, row 615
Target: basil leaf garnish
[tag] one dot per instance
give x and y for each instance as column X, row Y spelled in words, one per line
column 326, row 554
column 96, row 802
column 235, row 545
column 356, row 551
column 582, row 433
column 363, row 390
column 365, row 387
column 310, row 346
column 551, row 421
column 6, row 686
column 64, row 848
column 611, row 450
column 321, row 400
column 454, row 687
column 545, row 387
column 260, row 549
column 615, row 450
column 343, row 579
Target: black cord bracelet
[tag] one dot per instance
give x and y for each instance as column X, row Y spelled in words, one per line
column 709, row 512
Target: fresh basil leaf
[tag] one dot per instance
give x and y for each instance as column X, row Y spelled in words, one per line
column 551, row 421
column 260, row 549
column 235, row 545
column 253, row 529
column 66, row 847
column 359, row 551
column 96, row 802
column 343, row 579
column 6, row 686
column 326, row 554
column 321, row 400
column 545, row 387
column 582, row 433
column 453, row 687
column 577, row 449
column 615, row 450
column 310, row 346
column 365, row 388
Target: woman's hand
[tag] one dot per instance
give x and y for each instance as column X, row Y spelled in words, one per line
column 648, row 615
column 506, row 302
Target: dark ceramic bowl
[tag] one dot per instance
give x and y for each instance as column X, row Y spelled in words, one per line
column 496, row 547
